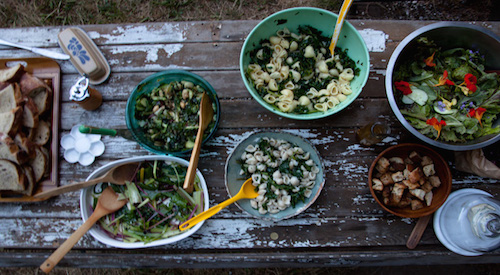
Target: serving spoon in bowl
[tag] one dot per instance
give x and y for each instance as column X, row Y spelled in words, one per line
column 338, row 26
column 117, row 175
column 107, row 203
column 206, row 116
column 247, row 191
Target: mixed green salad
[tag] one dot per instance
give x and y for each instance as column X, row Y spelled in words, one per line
column 448, row 95
column 156, row 205
column 169, row 115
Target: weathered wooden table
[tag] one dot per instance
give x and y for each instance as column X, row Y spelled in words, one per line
column 344, row 227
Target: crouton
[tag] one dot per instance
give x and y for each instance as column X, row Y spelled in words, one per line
column 387, row 191
column 411, row 185
column 397, row 192
column 426, row 160
column 428, row 198
column 383, row 165
column 416, row 175
column 397, row 164
column 435, row 181
column 415, row 157
column 419, row 193
column 416, row 204
column 377, row 185
column 427, row 187
column 398, row 176
column 386, row 179
column 429, row 170
column 404, row 202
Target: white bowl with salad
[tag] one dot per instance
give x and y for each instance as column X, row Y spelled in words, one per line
column 443, row 85
column 157, row 204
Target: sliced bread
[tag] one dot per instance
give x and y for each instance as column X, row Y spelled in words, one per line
column 25, row 144
column 43, row 101
column 39, row 164
column 9, row 99
column 10, row 150
column 32, row 85
column 30, row 179
column 12, row 176
column 41, row 134
column 30, row 113
column 11, row 74
column 10, row 121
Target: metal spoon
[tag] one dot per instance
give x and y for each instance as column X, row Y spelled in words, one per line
column 206, row 116
column 117, row 175
column 39, row 51
column 338, row 26
column 247, row 191
column 108, row 203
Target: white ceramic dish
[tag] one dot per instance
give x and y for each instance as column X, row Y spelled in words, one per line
column 234, row 181
column 101, row 236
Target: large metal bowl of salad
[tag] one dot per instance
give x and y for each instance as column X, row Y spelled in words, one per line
column 156, row 205
column 163, row 112
column 287, row 67
column 443, row 85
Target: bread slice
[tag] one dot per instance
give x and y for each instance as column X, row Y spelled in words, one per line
column 12, row 176
column 41, row 134
column 11, row 120
column 39, row 164
column 42, row 101
column 30, row 179
column 32, row 85
column 25, row 144
column 12, row 74
column 30, row 113
column 9, row 99
column 10, row 150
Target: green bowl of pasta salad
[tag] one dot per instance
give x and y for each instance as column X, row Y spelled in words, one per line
column 287, row 67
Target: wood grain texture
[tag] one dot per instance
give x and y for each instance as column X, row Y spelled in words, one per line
column 344, row 227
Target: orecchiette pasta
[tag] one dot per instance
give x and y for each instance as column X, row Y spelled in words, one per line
column 283, row 174
column 289, row 61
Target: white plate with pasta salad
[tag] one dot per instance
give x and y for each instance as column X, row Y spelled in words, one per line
column 286, row 171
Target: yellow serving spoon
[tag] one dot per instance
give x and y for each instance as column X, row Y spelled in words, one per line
column 247, row 191
column 338, row 26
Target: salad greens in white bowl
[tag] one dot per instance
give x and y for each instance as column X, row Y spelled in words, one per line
column 157, row 204
column 443, row 85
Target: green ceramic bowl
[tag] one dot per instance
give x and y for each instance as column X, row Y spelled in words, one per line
column 324, row 21
column 234, row 180
column 153, row 81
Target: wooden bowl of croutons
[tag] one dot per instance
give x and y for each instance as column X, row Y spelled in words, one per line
column 410, row 180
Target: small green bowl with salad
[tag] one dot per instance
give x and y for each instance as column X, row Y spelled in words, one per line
column 163, row 112
column 287, row 67
column 443, row 85
column 156, row 206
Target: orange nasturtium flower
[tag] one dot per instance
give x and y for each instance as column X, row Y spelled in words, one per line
column 444, row 80
column 477, row 113
column 403, row 86
column 429, row 61
column 436, row 124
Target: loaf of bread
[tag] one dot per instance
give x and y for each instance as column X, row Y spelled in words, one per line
column 25, row 131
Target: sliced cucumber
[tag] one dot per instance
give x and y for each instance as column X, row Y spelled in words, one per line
column 406, row 100
column 419, row 96
column 443, row 112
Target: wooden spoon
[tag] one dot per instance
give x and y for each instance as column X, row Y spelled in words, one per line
column 108, row 203
column 247, row 191
column 117, row 175
column 417, row 232
column 206, row 116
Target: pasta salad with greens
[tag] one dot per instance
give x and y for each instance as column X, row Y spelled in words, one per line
column 283, row 174
column 296, row 73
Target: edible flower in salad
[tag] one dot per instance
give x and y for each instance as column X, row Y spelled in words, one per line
column 444, row 104
column 470, row 87
column 437, row 125
column 477, row 114
column 429, row 61
column 444, row 80
column 403, row 86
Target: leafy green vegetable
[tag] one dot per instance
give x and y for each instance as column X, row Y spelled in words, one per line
column 456, row 85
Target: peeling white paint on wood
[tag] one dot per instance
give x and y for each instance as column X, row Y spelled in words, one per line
column 374, row 39
column 152, row 51
column 169, row 32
